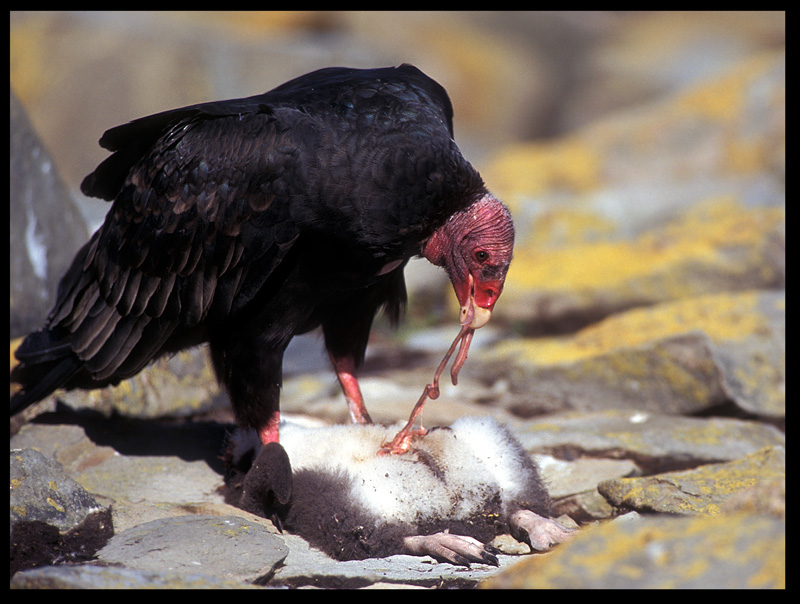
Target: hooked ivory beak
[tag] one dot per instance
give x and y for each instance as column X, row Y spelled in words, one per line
column 471, row 314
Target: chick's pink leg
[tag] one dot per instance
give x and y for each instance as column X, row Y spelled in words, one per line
column 402, row 441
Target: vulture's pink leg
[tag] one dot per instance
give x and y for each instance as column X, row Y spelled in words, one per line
column 345, row 368
column 269, row 432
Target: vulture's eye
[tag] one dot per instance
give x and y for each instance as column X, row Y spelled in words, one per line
column 481, row 256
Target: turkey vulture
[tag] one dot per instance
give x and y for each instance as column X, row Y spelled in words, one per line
column 245, row 222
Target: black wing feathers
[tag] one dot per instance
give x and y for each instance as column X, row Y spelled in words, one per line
column 131, row 141
column 209, row 199
column 177, row 244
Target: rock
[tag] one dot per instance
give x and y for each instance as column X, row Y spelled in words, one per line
column 652, row 53
column 135, row 476
column 584, row 507
column 703, row 490
column 677, row 357
column 671, row 375
column 573, row 484
column 62, row 502
column 654, row 442
column 143, row 496
column 53, row 519
column 737, row 551
column 108, row 577
column 680, row 198
column 67, row 444
column 719, row 245
column 753, row 360
column 152, row 479
column 767, row 496
column 199, row 545
column 565, row 478
column 639, row 443
column 175, row 385
column 46, row 226
column 141, row 487
column 306, row 566
column 729, row 124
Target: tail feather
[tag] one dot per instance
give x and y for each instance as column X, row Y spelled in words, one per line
column 54, row 377
column 42, row 346
column 47, row 363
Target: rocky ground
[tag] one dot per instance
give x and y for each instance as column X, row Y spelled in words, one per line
column 638, row 351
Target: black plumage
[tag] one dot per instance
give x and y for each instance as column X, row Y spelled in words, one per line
column 472, row 480
column 243, row 223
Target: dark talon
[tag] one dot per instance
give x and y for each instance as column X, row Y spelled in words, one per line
column 490, row 558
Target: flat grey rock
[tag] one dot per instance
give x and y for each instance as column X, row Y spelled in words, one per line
column 225, row 547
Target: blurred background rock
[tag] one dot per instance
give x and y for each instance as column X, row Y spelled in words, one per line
column 641, row 153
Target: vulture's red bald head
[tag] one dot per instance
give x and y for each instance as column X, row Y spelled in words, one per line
column 475, row 247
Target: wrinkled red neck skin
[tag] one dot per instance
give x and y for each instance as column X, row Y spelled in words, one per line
column 485, row 224
column 487, row 219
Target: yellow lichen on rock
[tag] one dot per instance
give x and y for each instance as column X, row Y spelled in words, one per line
column 535, row 168
column 658, row 259
column 723, row 317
